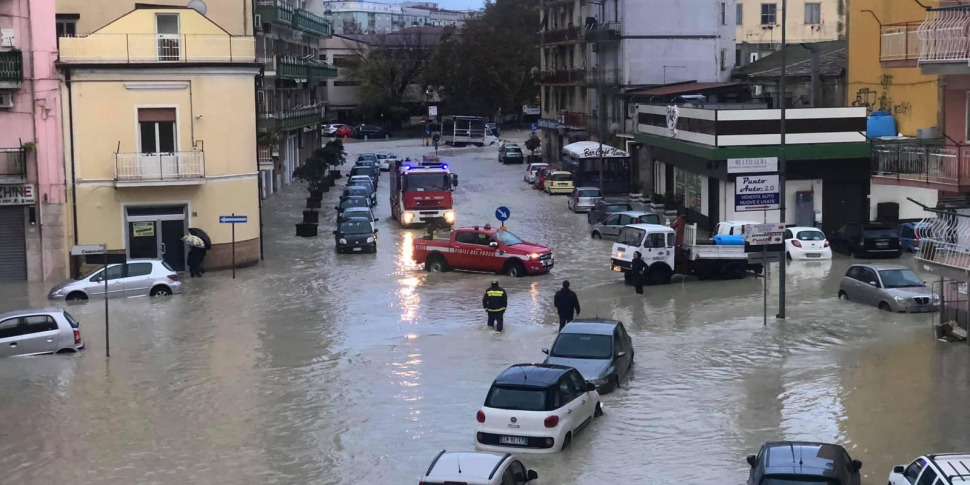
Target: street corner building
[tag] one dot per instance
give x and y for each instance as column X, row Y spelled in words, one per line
column 159, row 123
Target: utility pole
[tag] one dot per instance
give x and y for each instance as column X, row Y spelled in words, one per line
column 781, row 157
column 600, row 113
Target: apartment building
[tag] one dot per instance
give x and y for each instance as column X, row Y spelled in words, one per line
column 32, row 199
column 759, row 25
column 354, row 17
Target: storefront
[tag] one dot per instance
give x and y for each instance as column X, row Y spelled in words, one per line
column 155, row 232
column 15, row 203
column 588, row 160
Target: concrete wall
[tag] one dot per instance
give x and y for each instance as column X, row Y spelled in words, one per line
column 896, row 193
column 235, row 16
column 832, row 26
column 339, row 46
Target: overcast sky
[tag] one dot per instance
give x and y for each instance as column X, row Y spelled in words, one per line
column 461, row 4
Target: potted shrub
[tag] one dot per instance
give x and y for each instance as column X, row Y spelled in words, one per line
column 335, row 156
column 306, row 229
column 533, row 144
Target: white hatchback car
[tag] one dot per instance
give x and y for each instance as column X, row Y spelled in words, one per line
column 531, row 170
column 536, row 408
column 477, row 469
column 806, row 243
column 939, row 469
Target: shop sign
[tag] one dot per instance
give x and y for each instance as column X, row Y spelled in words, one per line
column 752, row 165
column 548, row 124
column 763, row 234
column 756, row 193
column 531, row 110
column 20, row 194
column 143, row 229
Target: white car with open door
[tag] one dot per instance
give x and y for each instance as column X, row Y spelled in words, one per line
column 536, row 408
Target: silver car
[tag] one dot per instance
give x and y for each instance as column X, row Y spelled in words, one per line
column 600, row 350
column 583, row 199
column 137, row 277
column 609, row 227
column 43, row 331
column 889, row 287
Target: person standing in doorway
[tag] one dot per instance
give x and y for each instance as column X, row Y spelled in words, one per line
column 196, row 256
column 566, row 302
column 639, row 270
column 495, row 302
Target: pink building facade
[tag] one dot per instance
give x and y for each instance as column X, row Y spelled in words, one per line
column 32, row 176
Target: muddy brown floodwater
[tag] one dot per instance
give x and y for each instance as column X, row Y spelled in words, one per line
column 320, row 368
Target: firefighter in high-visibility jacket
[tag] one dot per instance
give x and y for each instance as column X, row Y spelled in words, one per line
column 494, row 302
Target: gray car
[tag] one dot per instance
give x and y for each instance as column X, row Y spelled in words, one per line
column 609, row 227
column 889, row 287
column 583, row 199
column 137, row 277
column 42, row 331
column 599, row 349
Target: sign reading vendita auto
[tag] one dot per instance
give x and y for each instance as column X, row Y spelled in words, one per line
column 756, row 193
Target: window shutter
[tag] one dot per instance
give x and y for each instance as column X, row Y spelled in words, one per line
column 156, row 114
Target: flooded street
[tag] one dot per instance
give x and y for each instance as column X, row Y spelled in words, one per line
column 320, row 368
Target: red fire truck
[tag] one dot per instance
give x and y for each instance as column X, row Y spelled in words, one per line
column 421, row 192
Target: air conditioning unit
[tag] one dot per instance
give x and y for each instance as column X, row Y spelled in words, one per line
column 6, row 100
column 258, row 23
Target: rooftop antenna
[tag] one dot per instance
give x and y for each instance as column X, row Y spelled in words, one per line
column 525, row 376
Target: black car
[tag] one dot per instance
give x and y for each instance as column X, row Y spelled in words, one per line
column 356, row 235
column 866, row 241
column 510, row 153
column 370, row 131
column 366, row 184
column 605, row 208
column 352, row 202
column 799, row 463
column 359, row 191
column 371, row 172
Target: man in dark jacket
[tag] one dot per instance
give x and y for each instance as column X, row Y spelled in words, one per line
column 639, row 270
column 566, row 302
column 494, row 302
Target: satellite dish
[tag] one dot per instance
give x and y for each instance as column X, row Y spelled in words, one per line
column 198, row 6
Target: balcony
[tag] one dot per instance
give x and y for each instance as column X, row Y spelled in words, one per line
column 603, row 32
column 11, row 69
column 274, row 11
column 311, row 23
column 573, row 120
column 13, row 165
column 940, row 168
column 900, row 45
column 156, row 48
column 299, row 69
column 289, row 119
column 145, row 169
column 321, row 71
column 569, row 34
column 562, row 76
column 945, row 42
column 604, row 77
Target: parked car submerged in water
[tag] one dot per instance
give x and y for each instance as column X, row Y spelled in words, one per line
column 866, row 241
column 889, row 287
column 40, row 331
column 582, row 199
column 610, row 227
column 137, row 277
column 599, row 349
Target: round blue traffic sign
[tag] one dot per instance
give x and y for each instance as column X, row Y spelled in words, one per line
column 503, row 213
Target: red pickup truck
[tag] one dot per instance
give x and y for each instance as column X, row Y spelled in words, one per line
column 482, row 249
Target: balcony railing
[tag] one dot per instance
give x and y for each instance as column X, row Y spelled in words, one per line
column 564, row 76
column 151, row 48
column 11, row 69
column 13, row 164
column 289, row 119
column 944, row 35
column 174, row 168
column 932, row 166
column 603, row 32
column 274, row 11
column 560, row 35
column 309, row 22
column 606, row 77
column 900, row 42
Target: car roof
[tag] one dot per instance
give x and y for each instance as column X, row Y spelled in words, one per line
column 614, row 202
column 951, row 464
column 880, row 267
column 738, row 223
column 561, row 171
column 636, row 213
column 477, row 466
column 801, row 458
column 538, row 164
column 531, row 375
column 590, row 326
column 29, row 311
column 651, row 227
column 354, row 219
column 803, row 228
column 587, row 188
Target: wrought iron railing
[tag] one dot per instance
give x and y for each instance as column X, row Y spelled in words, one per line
column 930, row 165
column 151, row 48
column 13, row 163
column 900, row 42
column 159, row 167
column 944, row 36
column 11, row 67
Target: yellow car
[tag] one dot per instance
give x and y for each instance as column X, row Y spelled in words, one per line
column 559, row 183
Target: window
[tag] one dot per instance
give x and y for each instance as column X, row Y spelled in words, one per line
column 912, row 471
column 518, row 472
column 156, row 129
column 11, row 328
column 724, row 59
column 740, row 14
column 67, row 28
column 630, row 236
column 869, row 276
column 71, row 320
column 114, row 272
column 567, row 392
column 813, row 13
column 39, row 323
column 655, row 240
column 508, row 477
column 769, row 13
column 613, row 220
column 520, row 398
column 722, row 12
column 737, row 57
column 579, row 384
column 139, row 269
column 929, row 474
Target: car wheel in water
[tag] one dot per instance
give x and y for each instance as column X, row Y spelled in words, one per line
column 843, row 295
column 77, row 296
column 788, row 256
column 596, row 235
column 885, row 306
column 565, row 442
column 436, row 264
column 160, row 291
column 599, row 410
column 515, row 269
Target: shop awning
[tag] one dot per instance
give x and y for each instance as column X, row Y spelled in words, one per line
column 590, row 149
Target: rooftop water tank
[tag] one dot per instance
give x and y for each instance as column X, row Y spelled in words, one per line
column 879, row 124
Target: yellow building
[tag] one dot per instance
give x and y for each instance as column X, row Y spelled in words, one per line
column 759, row 25
column 160, row 135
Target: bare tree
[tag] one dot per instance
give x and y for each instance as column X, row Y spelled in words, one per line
column 389, row 63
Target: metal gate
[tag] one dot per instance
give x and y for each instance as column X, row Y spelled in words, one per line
column 954, row 301
column 13, row 246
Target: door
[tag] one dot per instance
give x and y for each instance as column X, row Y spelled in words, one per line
column 569, row 396
column 138, row 279
column 40, row 334
column 169, row 40
column 13, row 245
column 584, row 401
column 871, row 294
column 10, row 332
column 173, row 249
column 143, row 239
column 844, row 202
column 805, row 209
column 611, row 226
column 95, row 284
column 623, row 344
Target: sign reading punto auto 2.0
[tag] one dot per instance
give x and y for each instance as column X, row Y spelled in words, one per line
column 756, row 193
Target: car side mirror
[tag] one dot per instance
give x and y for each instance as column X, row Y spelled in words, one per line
column 856, row 465
column 752, row 460
column 590, row 386
column 532, row 475
column 375, row 230
column 873, row 283
column 545, row 351
column 899, row 469
column 620, row 353
column 454, row 179
column 493, row 245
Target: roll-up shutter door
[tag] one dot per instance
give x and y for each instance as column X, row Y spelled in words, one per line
column 13, row 248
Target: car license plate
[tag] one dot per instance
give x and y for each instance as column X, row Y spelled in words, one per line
column 358, row 249
column 882, row 244
column 813, row 255
column 546, row 262
column 513, row 440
